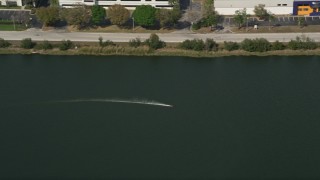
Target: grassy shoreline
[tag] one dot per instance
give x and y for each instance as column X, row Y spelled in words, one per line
column 144, row 51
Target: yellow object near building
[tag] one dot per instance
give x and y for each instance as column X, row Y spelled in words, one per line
column 306, row 10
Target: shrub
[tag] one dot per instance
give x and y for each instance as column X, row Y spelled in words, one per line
column 4, row 43
column 196, row 26
column 211, row 45
column 45, row 45
column 278, row 46
column 135, row 42
column 230, row 46
column 65, row 45
column 195, row 44
column 27, row 43
column 302, row 43
column 154, row 42
column 105, row 43
column 256, row 45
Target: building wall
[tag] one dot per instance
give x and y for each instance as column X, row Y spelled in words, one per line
column 17, row 2
column 131, row 4
column 306, row 8
column 228, row 7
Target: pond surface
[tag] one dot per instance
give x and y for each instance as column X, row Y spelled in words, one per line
column 71, row 117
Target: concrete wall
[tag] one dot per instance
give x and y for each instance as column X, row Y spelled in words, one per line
column 228, row 7
column 4, row 2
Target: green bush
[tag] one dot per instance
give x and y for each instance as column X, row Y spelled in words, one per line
column 135, row 42
column 256, row 45
column 302, row 43
column 45, row 45
column 65, row 45
column 230, row 46
column 154, row 42
column 211, row 45
column 27, row 43
column 278, row 46
column 105, row 43
column 196, row 26
column 4, row 43
column 195, row 44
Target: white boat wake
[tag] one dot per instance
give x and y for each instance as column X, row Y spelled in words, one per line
column 134, row 101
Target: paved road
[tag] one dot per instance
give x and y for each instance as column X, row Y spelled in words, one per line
column 169, row 37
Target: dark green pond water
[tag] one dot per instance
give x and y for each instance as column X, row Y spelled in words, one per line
column 72, row 117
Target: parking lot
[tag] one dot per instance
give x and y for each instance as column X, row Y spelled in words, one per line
column 277, row 21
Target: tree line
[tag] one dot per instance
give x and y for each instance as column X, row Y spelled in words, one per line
column 83, row 16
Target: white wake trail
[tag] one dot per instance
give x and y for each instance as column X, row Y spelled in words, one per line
column 135, row 101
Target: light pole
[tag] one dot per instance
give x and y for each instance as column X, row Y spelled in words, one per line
column 132, row 23
column 14, row 24
column 247, row 25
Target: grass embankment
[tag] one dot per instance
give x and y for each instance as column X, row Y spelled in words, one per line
column 170, row 50
column 10, row 26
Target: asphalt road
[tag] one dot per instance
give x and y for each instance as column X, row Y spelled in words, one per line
column 168, row 37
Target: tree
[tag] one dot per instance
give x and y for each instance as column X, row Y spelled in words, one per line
column 54, row 2
column 98, row 14
column 4, row 43
column 207, row 8
column 261, row 12
column 118, row 14
column 145, row 15
column 174, row 2
column 27, row 43
column 301, row 22
column 167, row 17
column 49, row 16
column 79, row 16
column 154, row 42
column 241, row 17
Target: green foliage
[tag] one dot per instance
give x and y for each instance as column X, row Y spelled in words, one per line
column 118, row 14
column 240, row 17
column 65, row 45
column 27, row 43
column 168, row 17
column 145, row 15
column 4, row 43
column 261, row 12
column 105, row 43
column 256, row 45
column 135, row 42
column 195, row 44
column 174, row 2
column 154, row 42
column 208, row 7
column 301, row 22
column 230, row 46
column 45, row 45
column 54, row 3
column 302, row 43
column 196, row 26
column 79, row 16
column 278, row 46
column 211, row 45
column 98, row 14
column 49, row 16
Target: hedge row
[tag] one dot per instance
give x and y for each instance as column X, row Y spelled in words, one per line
column 250, row 45
column 154, row 42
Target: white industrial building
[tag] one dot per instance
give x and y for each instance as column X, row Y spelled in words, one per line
column 11, row 2
column 228, row 7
